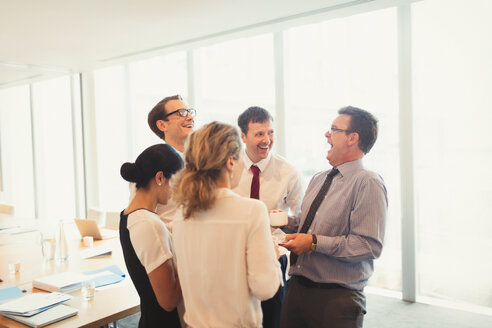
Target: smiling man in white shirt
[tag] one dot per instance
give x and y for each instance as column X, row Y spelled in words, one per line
column 278, row 184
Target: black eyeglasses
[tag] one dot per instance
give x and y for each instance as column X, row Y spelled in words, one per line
column 330, row 130
column 183, row 112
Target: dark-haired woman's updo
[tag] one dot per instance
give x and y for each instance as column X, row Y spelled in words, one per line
column 160, row 157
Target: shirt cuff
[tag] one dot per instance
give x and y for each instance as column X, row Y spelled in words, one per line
column 325, row 245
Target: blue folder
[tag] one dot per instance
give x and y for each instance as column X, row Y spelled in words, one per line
column 116, row 276
column 10, row 293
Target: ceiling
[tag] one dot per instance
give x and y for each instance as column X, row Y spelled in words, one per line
column 41, row 39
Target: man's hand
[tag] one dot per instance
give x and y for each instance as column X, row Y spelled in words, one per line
column 298, row 243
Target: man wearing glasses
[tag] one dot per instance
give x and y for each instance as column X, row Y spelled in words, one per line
column 340, row 233
column 172, row 121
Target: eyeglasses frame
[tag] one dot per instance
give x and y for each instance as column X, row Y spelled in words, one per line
column 187, row 111
column 340, row 130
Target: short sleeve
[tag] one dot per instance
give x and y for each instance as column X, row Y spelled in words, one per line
column 150, row 239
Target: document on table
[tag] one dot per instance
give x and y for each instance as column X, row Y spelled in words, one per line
column 107, row 275
column 64, row 282
column 31, row 304
column 96, row 251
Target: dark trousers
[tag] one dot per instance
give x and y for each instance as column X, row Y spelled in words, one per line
column 321, row 305
column 271, row 308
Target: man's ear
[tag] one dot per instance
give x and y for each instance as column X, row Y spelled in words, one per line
column 353, row 138
column 162, row 125
column 243, row 137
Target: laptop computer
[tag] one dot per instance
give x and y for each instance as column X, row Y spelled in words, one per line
column 89, row 227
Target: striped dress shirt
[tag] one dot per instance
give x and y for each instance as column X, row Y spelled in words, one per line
column 349, row 225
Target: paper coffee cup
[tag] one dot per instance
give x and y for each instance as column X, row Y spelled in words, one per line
column 278, row 218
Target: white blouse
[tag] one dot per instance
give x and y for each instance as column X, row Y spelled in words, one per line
column 226, row 262
column 150, row 239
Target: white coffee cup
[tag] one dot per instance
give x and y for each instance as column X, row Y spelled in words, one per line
column 278, row 218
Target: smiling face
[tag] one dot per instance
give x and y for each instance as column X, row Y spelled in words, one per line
column 258, row 140
column 340, row 141
column 176, row 127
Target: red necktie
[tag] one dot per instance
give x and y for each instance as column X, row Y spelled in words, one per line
column 255, row 183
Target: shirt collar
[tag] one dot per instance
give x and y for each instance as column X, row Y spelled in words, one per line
column 262, row 164
column 349, row 168
column 224, row 192
column 180, row 153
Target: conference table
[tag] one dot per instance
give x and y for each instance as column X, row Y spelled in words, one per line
column 109, row 304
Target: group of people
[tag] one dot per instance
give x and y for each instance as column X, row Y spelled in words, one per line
column 196, row 236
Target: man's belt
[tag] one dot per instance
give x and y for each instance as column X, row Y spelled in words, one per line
column 311, row 284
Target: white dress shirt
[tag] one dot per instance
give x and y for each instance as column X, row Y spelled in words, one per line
column 226, row 262
column 280, row 185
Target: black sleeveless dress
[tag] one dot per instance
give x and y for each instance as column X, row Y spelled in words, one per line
column 152, row 315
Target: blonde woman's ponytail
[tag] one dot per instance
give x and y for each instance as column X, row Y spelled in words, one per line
column 206, row 154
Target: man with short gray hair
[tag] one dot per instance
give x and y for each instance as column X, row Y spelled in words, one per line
column 341, row 231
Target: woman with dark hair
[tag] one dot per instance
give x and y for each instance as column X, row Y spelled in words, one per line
column 224, row 249
column 145, row 240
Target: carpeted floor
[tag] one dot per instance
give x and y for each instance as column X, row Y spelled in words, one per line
column 387, row 312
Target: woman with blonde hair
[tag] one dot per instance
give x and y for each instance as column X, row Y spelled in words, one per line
column 225, row 255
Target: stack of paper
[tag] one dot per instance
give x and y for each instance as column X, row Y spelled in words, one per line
column 102, row 250
column 64, row 282
column 53, row 314
column 38, row 310
column 32, row 304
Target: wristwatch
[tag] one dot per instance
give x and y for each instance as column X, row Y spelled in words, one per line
column 314, row 243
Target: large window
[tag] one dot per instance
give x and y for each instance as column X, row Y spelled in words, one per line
column 150, row 81
column 348, row 61
column 113, row 136
column 54, row 152
column 124, row 95
column 453, row 149
column 16, row 151
column 233, row 76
